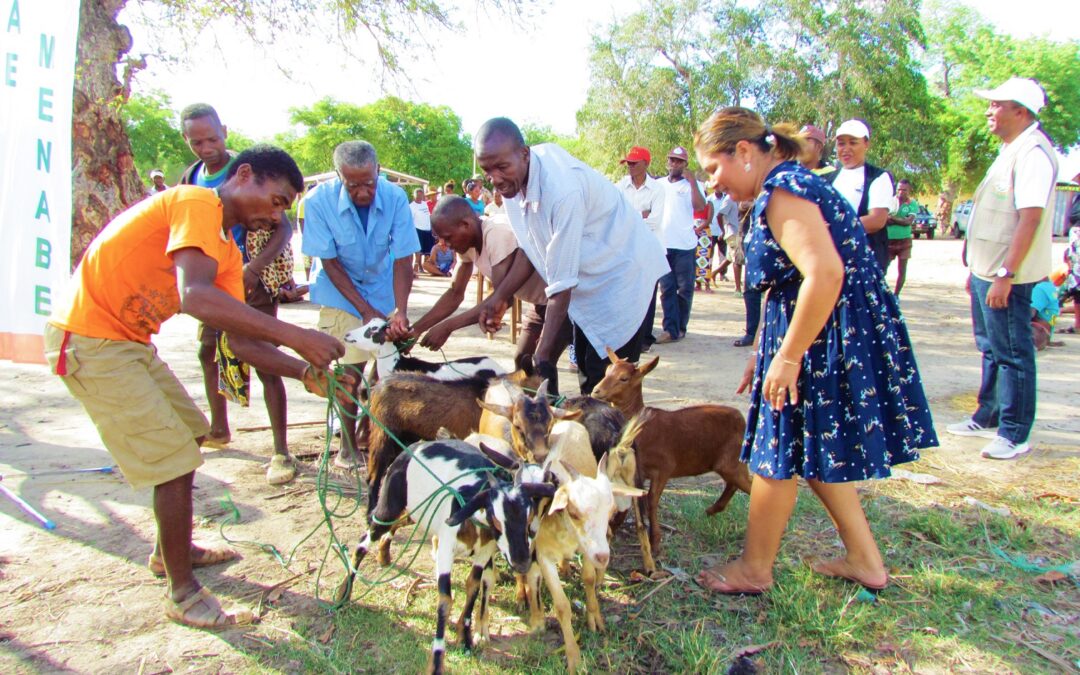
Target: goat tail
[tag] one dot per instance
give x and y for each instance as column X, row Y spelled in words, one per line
column 632, row 429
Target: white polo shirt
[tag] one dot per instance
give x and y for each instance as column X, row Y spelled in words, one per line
column 421, row 216
column 849, row 183
column 581, row 233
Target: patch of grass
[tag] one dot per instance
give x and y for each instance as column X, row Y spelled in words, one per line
column 953, row 604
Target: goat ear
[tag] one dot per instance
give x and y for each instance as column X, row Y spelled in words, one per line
column 542, row 392
column 559, row 501
column 498, row 459
column 465, row 512
column 620, row 490
column 601, row 468
column 535, row 490
column 527, row 366
column 612, row 356
column 495, row 409
column 563, row 414
column 647, row 368
column 443, row 434
column 570, row 470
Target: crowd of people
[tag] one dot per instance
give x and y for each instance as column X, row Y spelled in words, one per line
column 835, row 391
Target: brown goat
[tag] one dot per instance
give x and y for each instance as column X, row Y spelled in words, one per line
column 676, row 443
column 526, row 423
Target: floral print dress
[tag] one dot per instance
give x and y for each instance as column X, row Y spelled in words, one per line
column 861, row 404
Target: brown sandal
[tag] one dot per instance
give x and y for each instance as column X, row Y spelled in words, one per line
column 201, row 556
column 202, row 610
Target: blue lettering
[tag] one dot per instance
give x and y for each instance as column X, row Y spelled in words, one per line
column 42, row 301
column 48, row 42
column 42, row 208
column 13, row 18
column 43, row 255
column 45, row 104
column 9, row 69
column 44, row 155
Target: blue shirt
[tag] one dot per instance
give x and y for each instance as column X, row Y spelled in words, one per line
column 477, row 206
column 334, row 229
column 214, row 181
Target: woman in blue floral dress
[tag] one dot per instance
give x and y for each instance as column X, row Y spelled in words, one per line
column 835, row 393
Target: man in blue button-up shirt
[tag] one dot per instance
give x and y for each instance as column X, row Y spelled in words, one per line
column 360, row 228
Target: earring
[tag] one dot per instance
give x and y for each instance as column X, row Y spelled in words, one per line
column 746, row 167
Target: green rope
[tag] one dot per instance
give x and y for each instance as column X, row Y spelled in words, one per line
column 332, row 500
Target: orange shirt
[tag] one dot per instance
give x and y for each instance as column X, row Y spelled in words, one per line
column 125, row 286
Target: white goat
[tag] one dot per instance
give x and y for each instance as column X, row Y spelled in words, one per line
column 371, row 337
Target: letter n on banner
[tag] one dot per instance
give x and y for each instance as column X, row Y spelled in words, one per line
column 38, row 55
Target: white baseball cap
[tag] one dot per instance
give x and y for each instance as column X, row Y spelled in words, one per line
column 1021, row 90
column 855, row 128
column 157, row 172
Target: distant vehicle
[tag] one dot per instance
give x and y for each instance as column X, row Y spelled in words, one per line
column 960, row 217
column 924, row 223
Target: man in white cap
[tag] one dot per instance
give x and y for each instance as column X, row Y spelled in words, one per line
column 1008, row 252
column 868, row 188
column 157, row 178
column 683, row 198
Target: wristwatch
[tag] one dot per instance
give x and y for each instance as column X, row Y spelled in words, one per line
column 1004, row 273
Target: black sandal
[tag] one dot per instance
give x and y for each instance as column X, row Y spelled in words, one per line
column 744, row 341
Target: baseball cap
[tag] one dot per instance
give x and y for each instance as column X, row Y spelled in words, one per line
column 157, row 172
column 1021, row 90
column 813, row 133
column 855, row 128
column 679, row 152
column 637, row 154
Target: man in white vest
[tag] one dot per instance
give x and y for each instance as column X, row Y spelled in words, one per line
column 1008, row 252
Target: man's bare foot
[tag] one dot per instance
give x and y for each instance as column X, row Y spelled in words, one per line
column 347, row 461
column 217, row 438
column 734, row 579
column 841, row 568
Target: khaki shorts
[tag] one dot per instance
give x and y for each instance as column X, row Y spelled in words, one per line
column 146, row 419
column 336, row 323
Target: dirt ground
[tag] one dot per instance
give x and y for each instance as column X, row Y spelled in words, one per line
column 79, row 598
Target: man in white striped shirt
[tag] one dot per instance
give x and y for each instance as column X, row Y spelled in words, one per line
column 583, row 237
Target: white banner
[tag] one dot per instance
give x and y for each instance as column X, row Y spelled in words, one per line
column 37, row 50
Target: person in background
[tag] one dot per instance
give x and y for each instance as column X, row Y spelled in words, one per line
column 813, row 157
column 832, row 421
column 268, row 263
column 1008, row 250
column 495, row 207
column 868, row 188
column 647, row 196
column 157, row 179
column 703, row 250
column 899, row 231
column 683, row 198
column 440, row 263
column 474, row 195
column 421, row 216
column 448, row 188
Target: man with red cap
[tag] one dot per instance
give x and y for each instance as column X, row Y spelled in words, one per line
column 683, row 198
column 646, row 195
column 813, row 157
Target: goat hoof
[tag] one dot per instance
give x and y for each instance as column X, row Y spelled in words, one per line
column 344, row 591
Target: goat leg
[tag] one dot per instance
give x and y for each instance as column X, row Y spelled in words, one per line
column 464, row 622
column 656, row 488
column 487, row 581
column 444, row 560
column 536, row 606
column 550, row 572
column 521, row 592
column 344, row 591
column 643, row 537
column 590, row 579
column 725, row 497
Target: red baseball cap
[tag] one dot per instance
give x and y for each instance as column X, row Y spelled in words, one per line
column 814, row 134
column 679, row 152
column 637, row 154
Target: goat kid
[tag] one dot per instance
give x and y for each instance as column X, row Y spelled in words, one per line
column 676, row 443
column 371, row 337
column 495, row 514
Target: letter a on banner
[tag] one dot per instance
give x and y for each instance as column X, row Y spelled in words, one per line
column 38, row 57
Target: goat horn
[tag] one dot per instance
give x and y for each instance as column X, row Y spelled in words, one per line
column 542, row 392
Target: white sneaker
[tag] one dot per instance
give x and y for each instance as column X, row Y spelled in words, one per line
column 970, row 427
column 1003, row 448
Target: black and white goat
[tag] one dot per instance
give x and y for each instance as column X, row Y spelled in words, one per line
column 493, row 514
column 371, row 337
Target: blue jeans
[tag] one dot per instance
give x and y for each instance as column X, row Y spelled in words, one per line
column 677, row 291
column 752, row 302
column 1007, row 392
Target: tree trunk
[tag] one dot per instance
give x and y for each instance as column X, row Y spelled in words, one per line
column 104, row 179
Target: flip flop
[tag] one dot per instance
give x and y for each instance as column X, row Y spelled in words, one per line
column 202, row 610
column 744, row 593
column 209, row 556
column 216, row 442
column 855, row 580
